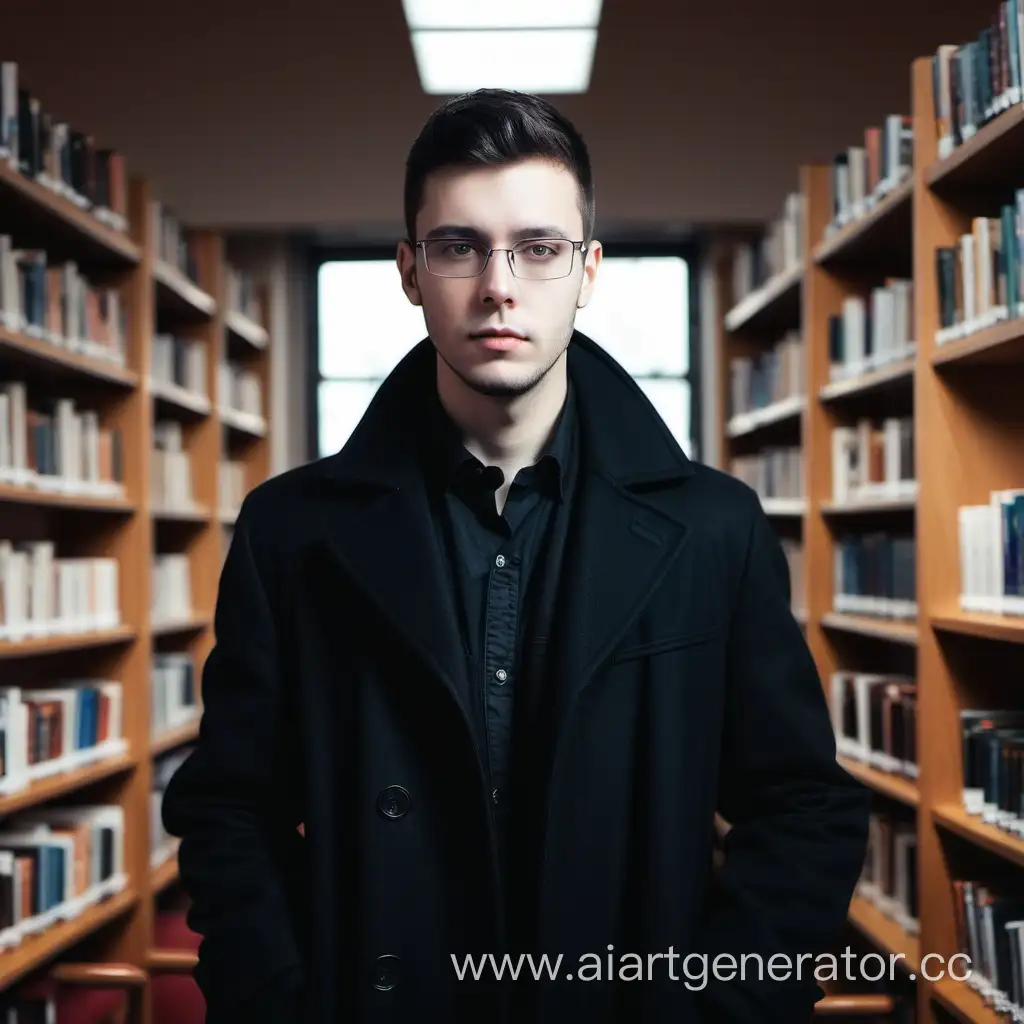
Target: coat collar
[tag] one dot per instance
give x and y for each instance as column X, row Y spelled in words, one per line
column 622, row 439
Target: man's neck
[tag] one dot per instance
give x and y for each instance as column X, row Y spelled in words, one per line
column 509, row 433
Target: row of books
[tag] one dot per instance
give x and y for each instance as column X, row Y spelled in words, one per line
column 756, row 382
column 54, row 303
column 873, row 461
column 62, row 158
column 231, row 486
column 44, row 595
column 162, row 844
column 45, row 731
column 171, row 583
column 991, row 540
column 874, row 717
column 793, row 549
column 977, row 80
column 170, row 475
column 243, row 293
column 874, row 574
column 980, row 279
column 239, row 389
column 180, row 362
column 993, row 766
column 869, row 170
column 780, row 249
column 47, row 443
column 171, row 242
column 56, row 862
column 989, row 917
column 888, row 879
column 872, row 331
column 173, row 692
column 773, row 472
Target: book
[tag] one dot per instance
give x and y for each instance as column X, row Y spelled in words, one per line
column 991, row 554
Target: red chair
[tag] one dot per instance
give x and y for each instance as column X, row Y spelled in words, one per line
column 92, row 993
column 176, row 997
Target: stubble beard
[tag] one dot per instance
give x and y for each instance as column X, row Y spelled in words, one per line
column 513, row 388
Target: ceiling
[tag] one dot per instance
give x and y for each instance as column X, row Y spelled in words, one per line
column 267, row 115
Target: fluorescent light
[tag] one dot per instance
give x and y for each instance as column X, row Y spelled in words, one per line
column 539, row 61
column 469, row 14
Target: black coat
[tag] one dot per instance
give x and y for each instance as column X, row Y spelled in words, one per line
column 331, row 699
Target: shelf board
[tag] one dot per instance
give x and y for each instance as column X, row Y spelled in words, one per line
column 176, row 737
column 972, row 828
column 190, row 624
column 884, row 230
column 895, row 373
column 998, row 345
column 244, row 422
column 62, row 643
column 246, row 329
column 53, row 358
column 165, row 875
column 777, row 299
column 868, row 506
column 747, row 422
column 885, row 933
column 52, row 499
column 990, row 159
column 44, row 790
column 793, row 507
column 40, row 218
column 36, row 950
column 898, row 787
column 178, row 295
column 992, row 627
column 180, row 398
column 198, row 514
column 959, row 999
column 895, row 630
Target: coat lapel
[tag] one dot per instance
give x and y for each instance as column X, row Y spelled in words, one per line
column 380, row 529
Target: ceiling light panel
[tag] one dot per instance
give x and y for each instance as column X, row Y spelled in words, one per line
column 478, row 14
column 539, row 61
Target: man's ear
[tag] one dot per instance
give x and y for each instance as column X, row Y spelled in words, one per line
column 593, row 261
column 405, row 258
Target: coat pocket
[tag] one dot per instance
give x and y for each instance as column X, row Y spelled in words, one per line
column 665, row 644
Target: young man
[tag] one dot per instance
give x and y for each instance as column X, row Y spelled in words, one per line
column 502, row 658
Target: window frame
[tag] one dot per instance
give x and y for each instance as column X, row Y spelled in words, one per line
column 685, row 247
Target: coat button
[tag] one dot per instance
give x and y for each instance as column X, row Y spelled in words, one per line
column 385, row 972
column 394, row 802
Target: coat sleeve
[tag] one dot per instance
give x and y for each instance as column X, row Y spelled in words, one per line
column 798, row 821
column 229, row 802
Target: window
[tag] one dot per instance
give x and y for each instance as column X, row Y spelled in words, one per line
column 640, row 313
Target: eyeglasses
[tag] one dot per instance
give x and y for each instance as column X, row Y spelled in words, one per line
column 536, row 259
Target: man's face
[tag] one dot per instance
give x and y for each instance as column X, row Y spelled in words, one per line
column 500, row 207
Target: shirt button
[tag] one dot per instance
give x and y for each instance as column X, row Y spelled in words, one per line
column 501, row 675
column 494, row 795
column 500, row 561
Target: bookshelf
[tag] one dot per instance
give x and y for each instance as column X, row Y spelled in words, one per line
column 134, row 394
column 896, row 441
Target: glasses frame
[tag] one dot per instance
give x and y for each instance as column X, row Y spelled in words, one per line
column 509, row 256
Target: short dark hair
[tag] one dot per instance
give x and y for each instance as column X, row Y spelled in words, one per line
column 490, row 128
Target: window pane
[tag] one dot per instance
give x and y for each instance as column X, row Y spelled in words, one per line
column 640, row 313
column 341, row 406
column 366, row 324
column 671, row 398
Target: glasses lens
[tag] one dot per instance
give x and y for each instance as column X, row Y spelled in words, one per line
column 541, row 259
column 449, row 257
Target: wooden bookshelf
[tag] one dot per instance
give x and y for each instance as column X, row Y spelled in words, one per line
column 964, row 395
column 160, row 299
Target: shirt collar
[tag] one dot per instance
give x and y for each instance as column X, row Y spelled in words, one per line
column 451, row 461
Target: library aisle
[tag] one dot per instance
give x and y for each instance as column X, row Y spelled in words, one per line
column 871, row 353
column 134, row 370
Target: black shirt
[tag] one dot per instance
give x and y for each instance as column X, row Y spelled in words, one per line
column 496, row 562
